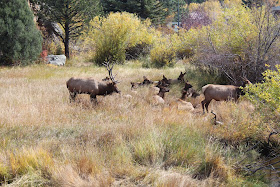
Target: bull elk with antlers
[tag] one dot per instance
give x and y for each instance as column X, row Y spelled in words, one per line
column 91, row 86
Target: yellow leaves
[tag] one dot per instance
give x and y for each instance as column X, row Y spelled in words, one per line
column 162, row 54
column 266, row 95
column 118, row 25
column 113, row 34
column 230, row 3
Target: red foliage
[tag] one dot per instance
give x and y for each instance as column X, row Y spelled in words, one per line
column 195, row 19
column 44, row 54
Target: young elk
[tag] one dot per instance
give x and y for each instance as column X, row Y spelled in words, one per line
column 146, row 81
column 174, row 81
column 221, row 93
column 91, row 86
column 156, row 95
column 188, row 91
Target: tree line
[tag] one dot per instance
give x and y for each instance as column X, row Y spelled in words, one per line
column 20, row 40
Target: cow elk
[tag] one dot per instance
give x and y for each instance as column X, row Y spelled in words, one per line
column 180, row 104
column 156, row 95
column 188, row 91
column 166, row 82
column 221, row 93
column 145, row 82
column 91, row 86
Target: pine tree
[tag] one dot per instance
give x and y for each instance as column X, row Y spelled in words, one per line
column 20, row 40
column 152, row 9
column 252, row 3
column 72, row 15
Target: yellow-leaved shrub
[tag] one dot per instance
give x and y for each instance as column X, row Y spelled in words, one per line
column 115, row 34
column 162, row 53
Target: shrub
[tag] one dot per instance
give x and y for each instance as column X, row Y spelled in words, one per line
column 162, row 54
column 202, row 75
column 182, row 45
column 266, row 95
column 117, row 34
column 239, row 42
column 136, row 51
column 20, row 41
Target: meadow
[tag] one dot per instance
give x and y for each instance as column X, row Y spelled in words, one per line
column 48, row 141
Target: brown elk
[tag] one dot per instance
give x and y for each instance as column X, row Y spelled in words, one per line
column 162, row 91
column 91, row 86
column 174, row 81
column 156, row 94
column 221, row 93
column 146, row 81
column 188, row 91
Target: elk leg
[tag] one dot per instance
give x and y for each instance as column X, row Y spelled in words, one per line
column 72, row 96
column 93, row 98
column 203, row 103
column 206, row 105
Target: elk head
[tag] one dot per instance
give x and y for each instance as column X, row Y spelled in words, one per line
column 146, row 81
column 181, row 77
column 106, row 79
column 165, row 80
column 162, row 91
column 112, row 83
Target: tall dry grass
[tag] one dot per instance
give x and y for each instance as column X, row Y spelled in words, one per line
column 47, row 141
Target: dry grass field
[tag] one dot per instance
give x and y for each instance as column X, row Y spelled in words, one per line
column 47, row 141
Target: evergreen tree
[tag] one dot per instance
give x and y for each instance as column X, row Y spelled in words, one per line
column 172, row 6
column 72, row 15
column 152, row 9
column 252, row 3
column 20, row 40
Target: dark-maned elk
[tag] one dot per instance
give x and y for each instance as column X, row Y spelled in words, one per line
column 91, row 86
column 188, row 91
column 221, row 93
column 162, row 91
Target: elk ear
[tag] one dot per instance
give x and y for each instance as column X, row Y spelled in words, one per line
column 164, row 77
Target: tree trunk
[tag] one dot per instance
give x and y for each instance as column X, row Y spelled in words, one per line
column 66, row 41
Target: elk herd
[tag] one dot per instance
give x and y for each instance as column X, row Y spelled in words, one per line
column 157, row 89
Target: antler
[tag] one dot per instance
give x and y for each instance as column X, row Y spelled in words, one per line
column 110, row 68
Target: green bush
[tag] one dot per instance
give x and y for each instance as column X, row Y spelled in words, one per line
column 202, row 75
column 20, row 40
